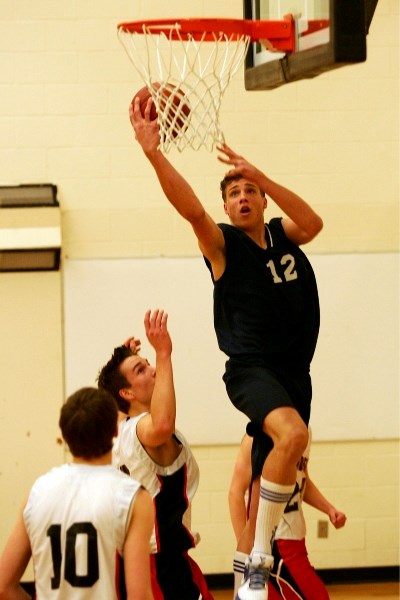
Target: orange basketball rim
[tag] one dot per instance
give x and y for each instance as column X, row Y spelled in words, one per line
column 197, row 58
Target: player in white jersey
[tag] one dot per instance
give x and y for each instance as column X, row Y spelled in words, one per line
column 149, row 447
column 81, row 518
column 292, row 576
column 130, row 455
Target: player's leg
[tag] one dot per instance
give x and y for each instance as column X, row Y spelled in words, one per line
column 290, row 436
column 262, row 395
column 273, row 594
column 246, row 540
column 278, row 478
column 198, row 578
column 175, row 576
column 295, row 575
column 239, row 564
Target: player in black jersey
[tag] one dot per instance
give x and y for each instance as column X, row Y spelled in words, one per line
column 266, row 317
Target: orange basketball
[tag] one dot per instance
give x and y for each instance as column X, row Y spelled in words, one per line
column 168, row 107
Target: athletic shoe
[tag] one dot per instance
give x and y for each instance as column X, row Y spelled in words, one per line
column 254, row 586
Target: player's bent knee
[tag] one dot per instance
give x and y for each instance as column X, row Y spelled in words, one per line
column 287, row 430
column 300, row 440
column 293, row 442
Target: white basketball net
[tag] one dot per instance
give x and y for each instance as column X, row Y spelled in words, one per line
column 199, row 70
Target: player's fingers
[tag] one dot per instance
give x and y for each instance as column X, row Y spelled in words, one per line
column 224, row 160
column 155, row 319
column 226, row 156
column 134, row 110
column 231, row 154
column 164, row 319
column 130, row 341
column 147, row 319
column 160, row 320
column 135, row 345
column 153, row 316
column 225, row 149
column 147, row 110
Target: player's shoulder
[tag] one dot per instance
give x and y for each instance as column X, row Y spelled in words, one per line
column 233, row 234
column 279, row 238
column 226, row 228
column 55, row 474
column 126, row 485
column 129, row 425
column 275, row 227
column 48, row 483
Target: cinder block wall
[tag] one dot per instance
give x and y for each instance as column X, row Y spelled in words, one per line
column 65, row 85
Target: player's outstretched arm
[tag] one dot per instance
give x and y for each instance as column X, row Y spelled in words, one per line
column 302, row 223
column 175, row 187
column 13, row 562
column 157, row 427
column 177, row 190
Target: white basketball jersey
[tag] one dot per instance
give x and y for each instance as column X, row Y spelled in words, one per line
column 292, row 525
column 130, row 456
column 76, row 518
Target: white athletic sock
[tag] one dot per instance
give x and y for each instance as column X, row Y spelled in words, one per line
column 239, row 562
column 273, row 499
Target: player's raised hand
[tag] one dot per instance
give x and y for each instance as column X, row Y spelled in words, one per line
column 155, row 324
column 146, row 130
column 241, row 166
column 133, row 344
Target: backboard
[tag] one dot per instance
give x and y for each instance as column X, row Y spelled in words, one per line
column 328, row 34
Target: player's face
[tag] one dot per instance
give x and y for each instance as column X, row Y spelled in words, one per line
column 244, row 203
column 140, row 375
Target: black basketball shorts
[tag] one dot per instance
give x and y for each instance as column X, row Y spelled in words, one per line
column 255, row 389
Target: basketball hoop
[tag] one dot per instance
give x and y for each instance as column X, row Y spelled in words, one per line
column 196, row 58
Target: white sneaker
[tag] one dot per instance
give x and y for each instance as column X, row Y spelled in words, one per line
column 256, row 573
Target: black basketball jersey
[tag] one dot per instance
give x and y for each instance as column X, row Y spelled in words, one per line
column 266, row 302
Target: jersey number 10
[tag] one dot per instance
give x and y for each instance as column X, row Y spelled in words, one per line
column 92, row 559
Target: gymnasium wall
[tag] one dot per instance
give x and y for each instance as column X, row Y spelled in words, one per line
column 356, row 361
column 65, row 85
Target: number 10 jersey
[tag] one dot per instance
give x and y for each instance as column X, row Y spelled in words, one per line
column 76, row 519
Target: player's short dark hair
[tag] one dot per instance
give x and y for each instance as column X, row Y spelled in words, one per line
column 111, row 379
column 88, row 422
column 226, row 181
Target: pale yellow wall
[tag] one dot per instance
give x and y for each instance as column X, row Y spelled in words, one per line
column 31, row 386
column 65, row 84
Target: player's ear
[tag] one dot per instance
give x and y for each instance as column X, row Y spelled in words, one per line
column 226, row 208
column 126, row 394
